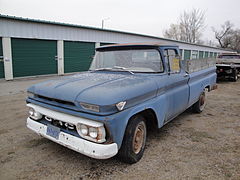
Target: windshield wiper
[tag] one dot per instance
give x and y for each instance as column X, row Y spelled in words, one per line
column 112, row 69
column 122, row 68
column 102, row 69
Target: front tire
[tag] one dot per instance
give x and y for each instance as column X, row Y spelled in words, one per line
column 134, row 140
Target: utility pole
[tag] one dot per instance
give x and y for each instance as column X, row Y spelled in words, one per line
column 103, row 22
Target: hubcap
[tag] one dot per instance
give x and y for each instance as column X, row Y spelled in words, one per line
column 139, row 137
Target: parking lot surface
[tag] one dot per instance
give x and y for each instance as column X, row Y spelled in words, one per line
column 192, row 146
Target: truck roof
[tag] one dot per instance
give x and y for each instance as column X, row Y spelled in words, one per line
column 230, row 54
column 127, row 45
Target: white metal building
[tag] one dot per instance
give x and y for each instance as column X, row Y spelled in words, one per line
column 32, row 47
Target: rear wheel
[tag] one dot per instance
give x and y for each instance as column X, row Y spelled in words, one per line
column 235, row 76
column 199, row 106
column 134, row 140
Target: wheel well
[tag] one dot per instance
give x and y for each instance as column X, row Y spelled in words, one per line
column 208, row 88
column 150, row 117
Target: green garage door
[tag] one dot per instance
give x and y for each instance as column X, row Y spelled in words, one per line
column 215, row 55
column 1, row 60
column 200, row 54
column 206, row 54
column 33, row 57
column 187, row 54
column 211, row 54
column 78, row 56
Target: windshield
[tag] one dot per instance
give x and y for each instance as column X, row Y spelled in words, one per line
column 134, row 60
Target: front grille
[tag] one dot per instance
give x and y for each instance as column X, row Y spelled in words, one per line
column 56, row 100
column 64, row 127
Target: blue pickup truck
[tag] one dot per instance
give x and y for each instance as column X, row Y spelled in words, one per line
column 128, row 89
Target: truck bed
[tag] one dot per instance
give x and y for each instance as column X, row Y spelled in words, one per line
column 195, row 65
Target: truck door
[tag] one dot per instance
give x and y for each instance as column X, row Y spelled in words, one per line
column 177, row 88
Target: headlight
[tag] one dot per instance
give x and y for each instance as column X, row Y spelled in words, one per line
column 31, row 111
column 34, row 114
column 84, row 129
column 90, row 107
column 121, row 105
column 95, row 134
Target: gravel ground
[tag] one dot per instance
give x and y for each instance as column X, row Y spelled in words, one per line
column 192, row 146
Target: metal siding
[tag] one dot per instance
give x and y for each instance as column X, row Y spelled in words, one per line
column 78, row 56
column 206, row 54
column 211, row 54
column 200, row 54
column 187, row 54
column 1, row 62
column 215, row 54
column 54, row 31
column 194, row 54
column 33, row 57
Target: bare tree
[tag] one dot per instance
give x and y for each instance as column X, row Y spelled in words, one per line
column 192, row 24
column 189, row 28
column 224, row 35
column 173, row 32
column 228, row 37
column 235, row 41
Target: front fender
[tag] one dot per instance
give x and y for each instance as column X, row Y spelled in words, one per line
column 118, row 122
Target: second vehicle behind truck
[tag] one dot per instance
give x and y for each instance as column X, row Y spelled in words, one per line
column 228, row 66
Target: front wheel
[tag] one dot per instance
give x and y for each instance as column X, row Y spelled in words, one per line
column 200, row 104
column 134, row 140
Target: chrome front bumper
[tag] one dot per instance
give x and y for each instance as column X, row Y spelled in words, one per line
column 94, row 150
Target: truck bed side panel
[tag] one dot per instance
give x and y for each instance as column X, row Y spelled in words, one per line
column 200, row 80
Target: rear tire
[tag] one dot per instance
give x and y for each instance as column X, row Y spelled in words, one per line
column 199, row 106
column 235, row 76
column 134, row 140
